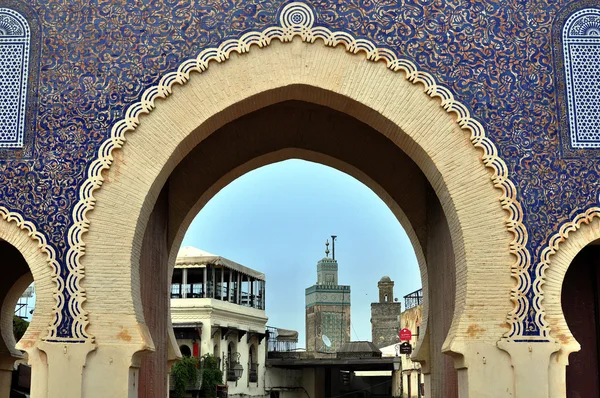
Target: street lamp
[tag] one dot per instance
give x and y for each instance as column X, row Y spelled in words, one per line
column 238, row 370
column 234, row 367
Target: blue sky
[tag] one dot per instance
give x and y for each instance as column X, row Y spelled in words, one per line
column 276, row 219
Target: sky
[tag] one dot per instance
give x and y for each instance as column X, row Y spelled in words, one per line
column 276, row 220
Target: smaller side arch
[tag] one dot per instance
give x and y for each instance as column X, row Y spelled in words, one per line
column 42, row 262
column 30, row 244
column 556, row 259
column 8, row 311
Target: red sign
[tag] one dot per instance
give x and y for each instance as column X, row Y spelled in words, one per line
column 405, row 334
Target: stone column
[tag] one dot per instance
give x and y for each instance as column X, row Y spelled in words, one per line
column 239, row 292
column 184, row 282
column 61, row 371
column 222, row 283
column 213, row 277
column 204, row 289
column 229, row 289
column 531, row 367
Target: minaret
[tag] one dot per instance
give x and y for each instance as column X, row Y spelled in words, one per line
column 385, row 315
column 327, row 269
column 327, row 309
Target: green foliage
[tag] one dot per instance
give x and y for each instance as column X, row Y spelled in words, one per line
column 211, row 376
column 184, row 373
column 19, row 327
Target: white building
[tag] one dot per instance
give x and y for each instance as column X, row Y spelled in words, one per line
column 218, row 307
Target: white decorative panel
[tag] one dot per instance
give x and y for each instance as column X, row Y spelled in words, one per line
column 14, row 68
column 581, row 46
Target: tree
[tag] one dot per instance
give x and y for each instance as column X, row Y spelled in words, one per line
column 184, row 373
column 19, row 327
column 211, row 376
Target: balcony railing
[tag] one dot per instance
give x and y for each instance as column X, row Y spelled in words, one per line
column 253, row 374
column 413, row 299
column 231, row 373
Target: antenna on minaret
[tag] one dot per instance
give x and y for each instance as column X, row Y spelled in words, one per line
column 333, row 238
column 327, row 248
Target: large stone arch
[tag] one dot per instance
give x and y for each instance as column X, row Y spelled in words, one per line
column 329, row 77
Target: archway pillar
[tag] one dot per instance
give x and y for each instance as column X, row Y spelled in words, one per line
column 483, row 370
column 531, row 367
column 558, row 373
column 112, row 370
column 6, row 367
column 64, row 364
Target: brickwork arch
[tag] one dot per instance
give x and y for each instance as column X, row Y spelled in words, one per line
column 187, row 196
column 39, row 263
column 326, row 76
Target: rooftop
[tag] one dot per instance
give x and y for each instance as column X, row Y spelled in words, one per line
column 192, row 257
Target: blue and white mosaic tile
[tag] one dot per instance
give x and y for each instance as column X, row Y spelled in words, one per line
column 502, row 58
column 14, row 71
column 581, row 43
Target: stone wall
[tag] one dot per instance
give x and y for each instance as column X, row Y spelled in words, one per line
column 317, row 326
column 385, row 322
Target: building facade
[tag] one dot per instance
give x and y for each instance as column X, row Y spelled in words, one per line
column 385, row 315
column 475, row 122
column 410, row 373
column 218, row 308
column 411, row 319
column 327, row 310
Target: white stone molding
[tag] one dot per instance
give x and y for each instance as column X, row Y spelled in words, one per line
column 581, row 50
column 15, row 41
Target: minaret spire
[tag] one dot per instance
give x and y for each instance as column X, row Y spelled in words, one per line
column 327, row 248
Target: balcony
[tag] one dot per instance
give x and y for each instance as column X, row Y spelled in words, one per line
column 413, row 299
column 253, row 374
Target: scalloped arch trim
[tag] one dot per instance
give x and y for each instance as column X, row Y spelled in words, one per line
column 561, row 236
column 30, row 228
column 297, row 20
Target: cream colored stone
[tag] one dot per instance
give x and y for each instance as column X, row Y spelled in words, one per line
column 325, row 76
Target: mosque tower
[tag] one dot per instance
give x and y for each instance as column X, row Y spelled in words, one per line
column 327, row 308
column 385, row 315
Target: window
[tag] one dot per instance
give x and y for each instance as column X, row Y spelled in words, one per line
column 185, row 350
column 581, row 50
column 14, row 71
column 253, row 371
